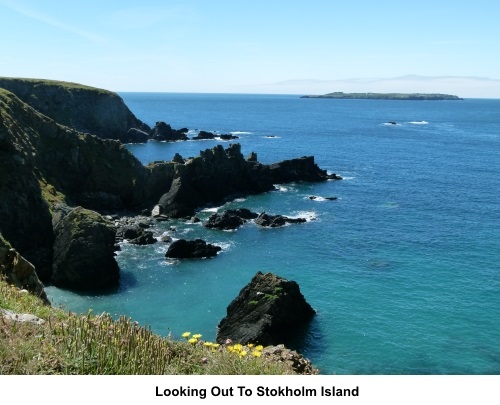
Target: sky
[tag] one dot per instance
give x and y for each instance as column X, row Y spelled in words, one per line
column 270, row 46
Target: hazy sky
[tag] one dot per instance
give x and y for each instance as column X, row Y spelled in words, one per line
column 254, row 46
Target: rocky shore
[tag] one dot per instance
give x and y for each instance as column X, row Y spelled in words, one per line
column 70, row 192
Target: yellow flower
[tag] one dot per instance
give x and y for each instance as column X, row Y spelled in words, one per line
column 259, row 347
column 243, row 353
column 186, row 334
column 230, row 348
column 197, row 336
column 256, row 353
column 208, row 344
column 215, row 345
column 238, row 347
column 250, row 345
column 193, row 341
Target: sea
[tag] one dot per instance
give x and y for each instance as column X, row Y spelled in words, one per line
column 403, row 268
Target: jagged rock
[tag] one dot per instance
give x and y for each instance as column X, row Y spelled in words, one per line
column 19, row 272
column 219, row 173
column 274, row 221
column 178, row 159
column 164, row 132
column 228, row 137
column 230, row 219
column 296, row 361
column 191, row 249
column 224, row 221
column 243, row 213
column 135, row 135
column 268, row 311
column 204, row 135
column 84, row 252
column 145, row 238
column 252, row 157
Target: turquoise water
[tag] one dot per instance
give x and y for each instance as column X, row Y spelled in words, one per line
column 403, row 269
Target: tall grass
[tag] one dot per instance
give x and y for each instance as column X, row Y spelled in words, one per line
column 68, row 343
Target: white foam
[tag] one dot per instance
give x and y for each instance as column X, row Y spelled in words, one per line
column 240, row 133
column 418, row 122
column 281, row 188
column 316, row 198
column 388, row 124
column 308, row 215
column 212, row 209
column 239, row 200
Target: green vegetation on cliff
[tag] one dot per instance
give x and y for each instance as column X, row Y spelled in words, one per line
column 387, row 96
column 86, row 109
column 66, row 343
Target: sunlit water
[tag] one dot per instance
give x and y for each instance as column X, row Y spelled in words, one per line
column 403, row 269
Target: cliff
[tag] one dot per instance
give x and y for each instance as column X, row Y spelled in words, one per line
column 47, row 169
column 83, row 108
column 45, row 166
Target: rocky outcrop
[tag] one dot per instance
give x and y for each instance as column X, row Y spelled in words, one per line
column 83, row 108
column 233, row 219
column 296, row 361
column 19, row 272
column 230, row 219
column 224, row 221
column 84, row 252
column 219, row 173
column 275, row 221
column 164, row 132
column 191, row 249
column 47, row 168
column 202, row 135
column 268, row 311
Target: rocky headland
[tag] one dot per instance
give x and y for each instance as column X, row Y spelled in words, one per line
column 57, row 181
column 70, row 190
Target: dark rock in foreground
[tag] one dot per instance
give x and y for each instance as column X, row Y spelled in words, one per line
column 191, row 249
column 275, row 221
column 268, row 311
column 84, row 252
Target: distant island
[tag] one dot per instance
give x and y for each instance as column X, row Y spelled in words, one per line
column 387, row 96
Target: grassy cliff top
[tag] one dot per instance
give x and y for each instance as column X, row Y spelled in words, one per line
column 67, row 343
column 52, row 83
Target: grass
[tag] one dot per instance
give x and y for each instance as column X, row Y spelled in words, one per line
column 68, row 343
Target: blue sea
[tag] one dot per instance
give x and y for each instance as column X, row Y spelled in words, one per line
column 403, row 269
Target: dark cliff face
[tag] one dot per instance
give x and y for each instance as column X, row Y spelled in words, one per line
column 86, row 109
column 44, row 164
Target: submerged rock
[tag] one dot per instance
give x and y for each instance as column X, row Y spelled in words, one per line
column 191, row 249
column 269, row 310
